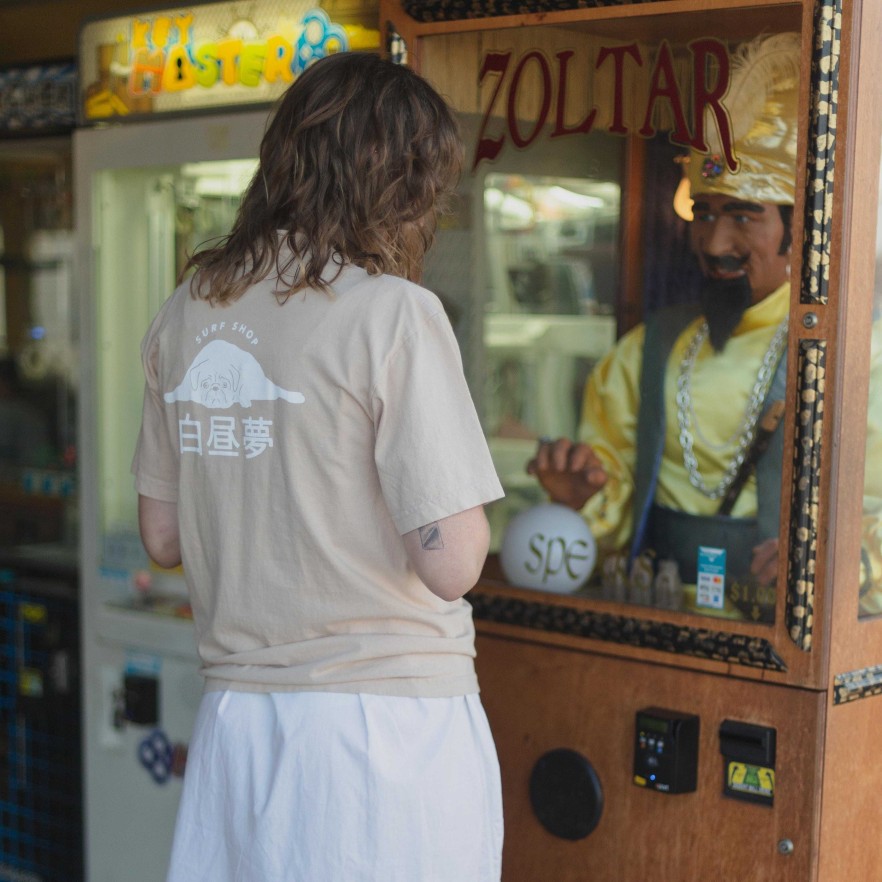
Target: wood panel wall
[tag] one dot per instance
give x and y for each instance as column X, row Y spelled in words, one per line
column 539, row 698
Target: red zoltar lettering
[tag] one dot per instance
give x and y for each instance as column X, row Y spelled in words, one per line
column 709, row 82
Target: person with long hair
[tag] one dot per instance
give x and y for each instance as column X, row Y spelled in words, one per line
column 310, row 451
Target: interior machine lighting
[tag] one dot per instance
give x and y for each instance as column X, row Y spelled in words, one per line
column 683, row 196
column 218, row 186
column 511, row 208
column 219, row 178
column 493, row 198
column 573, row 199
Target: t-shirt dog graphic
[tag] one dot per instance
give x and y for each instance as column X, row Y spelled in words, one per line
column 223, row 375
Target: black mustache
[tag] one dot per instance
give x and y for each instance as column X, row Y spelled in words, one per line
column 726, row 263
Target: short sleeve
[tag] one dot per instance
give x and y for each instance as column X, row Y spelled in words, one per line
column 430, row 451
column 155, row 464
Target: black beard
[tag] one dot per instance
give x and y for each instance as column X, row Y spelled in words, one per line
column 724, row 302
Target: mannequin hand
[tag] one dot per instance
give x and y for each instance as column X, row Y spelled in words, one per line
column 570, row 473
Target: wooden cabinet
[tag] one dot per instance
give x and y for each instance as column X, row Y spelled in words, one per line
column 552, row 697
column 572, row 671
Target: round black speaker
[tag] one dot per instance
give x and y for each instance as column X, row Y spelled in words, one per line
column 566, row 794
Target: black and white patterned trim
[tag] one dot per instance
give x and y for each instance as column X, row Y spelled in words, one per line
column 556, row 618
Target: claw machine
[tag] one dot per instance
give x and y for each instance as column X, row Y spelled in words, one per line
column 695, row 705
column 173, row 106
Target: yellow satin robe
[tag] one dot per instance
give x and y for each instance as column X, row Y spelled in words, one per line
column 721, row 385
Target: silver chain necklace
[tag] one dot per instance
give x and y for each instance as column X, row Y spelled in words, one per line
column 745, row 432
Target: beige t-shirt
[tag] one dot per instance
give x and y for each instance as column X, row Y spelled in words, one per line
column 300, row 442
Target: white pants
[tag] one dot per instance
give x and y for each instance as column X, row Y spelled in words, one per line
column 325, row 787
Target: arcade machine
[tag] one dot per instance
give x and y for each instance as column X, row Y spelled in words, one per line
column 173, row 108
column 41, row 795
column 690, row 711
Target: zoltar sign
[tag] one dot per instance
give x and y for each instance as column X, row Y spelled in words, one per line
column 621, row 89
column 208, row 55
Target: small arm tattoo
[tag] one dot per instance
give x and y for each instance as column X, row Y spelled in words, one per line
column 430, row 537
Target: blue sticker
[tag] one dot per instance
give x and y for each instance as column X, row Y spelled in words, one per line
column 143, row 663
column 711, row 585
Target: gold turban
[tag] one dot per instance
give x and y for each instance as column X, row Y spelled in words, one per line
column 762, row 102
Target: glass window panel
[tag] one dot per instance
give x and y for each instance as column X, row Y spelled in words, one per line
column 548, row 316
column 571, row 233
column 871, row 534
column 181, row 207
column 38, row 344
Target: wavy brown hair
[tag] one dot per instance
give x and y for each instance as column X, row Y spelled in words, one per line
column 359, row 157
